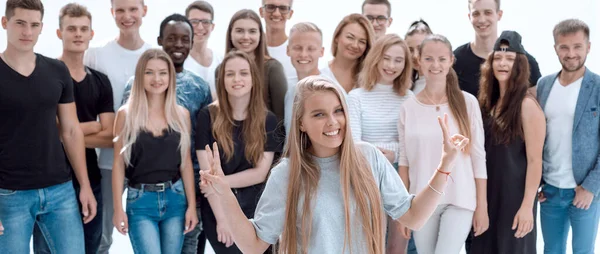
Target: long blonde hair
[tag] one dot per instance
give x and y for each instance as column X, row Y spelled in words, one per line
column 456, row 98
column 137, row 108
column 356, row 180
column 253, row 130
column 369, row 75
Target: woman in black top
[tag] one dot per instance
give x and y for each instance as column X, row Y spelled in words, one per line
column 515, row 129
column 244, row 129
column 152, row 149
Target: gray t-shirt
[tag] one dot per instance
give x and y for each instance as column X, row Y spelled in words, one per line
column 328, row 225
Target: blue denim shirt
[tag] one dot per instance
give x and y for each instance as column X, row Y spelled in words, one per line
column 586, row 129
column 193, row 93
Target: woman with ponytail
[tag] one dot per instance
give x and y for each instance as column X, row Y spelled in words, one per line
column 327, row 186
column 465, row 201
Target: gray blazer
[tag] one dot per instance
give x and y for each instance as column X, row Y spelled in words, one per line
column 586, row 129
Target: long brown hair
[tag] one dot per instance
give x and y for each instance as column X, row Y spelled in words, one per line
column 366, row 25
column 261, row 55
column 456, row 98
column 138, row 112
column 356, row 180
column 506, row 124
column 369, row 75
column 253, row 130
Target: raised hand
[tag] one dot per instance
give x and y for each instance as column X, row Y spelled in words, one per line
column 452, row 145
column 212, row 181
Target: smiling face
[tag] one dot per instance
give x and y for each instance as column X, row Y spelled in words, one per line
column 128, row 14
column 156, row 76
column 202, row 31
column 276, row 19
column 391, row 65
column 484, row 16
column 23, row 29
column 435, row 60
column 414, row 44
column 375, row 11
column 325, row 123
column 304, row 50
column 238, row 78
column 352, row 42
column 245, row 35
column 176, row 41
column 572, row 50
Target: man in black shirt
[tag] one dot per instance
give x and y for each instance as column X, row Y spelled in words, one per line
column 94, row 99
column 484, row 16
column 35, row 179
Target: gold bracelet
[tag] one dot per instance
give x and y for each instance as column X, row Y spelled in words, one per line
column 436, row 191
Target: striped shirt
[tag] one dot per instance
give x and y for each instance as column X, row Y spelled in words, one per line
column 374, row 115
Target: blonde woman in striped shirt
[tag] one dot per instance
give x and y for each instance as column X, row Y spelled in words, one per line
column 385, row 82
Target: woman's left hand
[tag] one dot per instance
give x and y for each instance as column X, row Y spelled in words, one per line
column 191, row 220
column 523, row 222
column 481, row 221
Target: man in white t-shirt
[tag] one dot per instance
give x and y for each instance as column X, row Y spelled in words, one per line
column 570, row 169
column 305, row 49
column 117, row 59
column 202, row 60
column 276, row 13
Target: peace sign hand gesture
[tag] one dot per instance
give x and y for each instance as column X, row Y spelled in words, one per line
column 212, row 180
column 452, row 145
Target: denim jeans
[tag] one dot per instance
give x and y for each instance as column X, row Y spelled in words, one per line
column 157, row 219
column 92, row 231
column 191, row 239
column 557, row 214
column 54, row 209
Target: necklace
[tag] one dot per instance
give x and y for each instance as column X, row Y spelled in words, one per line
column 437, row 105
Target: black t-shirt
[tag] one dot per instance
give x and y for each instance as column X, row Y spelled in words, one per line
column 31, row 154
column 155, row 159
column 93, row 96
column 468, row 69
column 247, row 197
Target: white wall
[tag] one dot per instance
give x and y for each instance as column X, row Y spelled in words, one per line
column 534, row 19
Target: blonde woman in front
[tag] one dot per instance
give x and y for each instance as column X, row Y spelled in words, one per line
column 328, row 194
column 386, row 77
column 464, row 203
column 152, row 149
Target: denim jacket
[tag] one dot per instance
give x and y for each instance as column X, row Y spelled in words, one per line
column 586, row 129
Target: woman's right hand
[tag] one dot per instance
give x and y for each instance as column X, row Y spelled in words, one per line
column 212, row 180
column 452, row 145
column 223, row 235
column 120, row 222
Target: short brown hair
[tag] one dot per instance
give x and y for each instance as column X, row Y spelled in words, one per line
column 497, row 4
column 11, row 5
column 571, row 26
column 384, row 2
column 73, row 10
column 201, row 6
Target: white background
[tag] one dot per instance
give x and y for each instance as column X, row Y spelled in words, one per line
column 533, row 19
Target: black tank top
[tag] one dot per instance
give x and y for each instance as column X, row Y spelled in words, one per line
column 155, row 159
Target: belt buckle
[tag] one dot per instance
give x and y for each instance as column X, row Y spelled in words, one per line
column 161, row 187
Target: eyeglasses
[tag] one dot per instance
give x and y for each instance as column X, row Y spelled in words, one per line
column 205, row 22
column 380, row 19
column 283, row 9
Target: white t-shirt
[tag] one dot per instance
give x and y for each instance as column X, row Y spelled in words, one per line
column 206, row 73
column 280, row 54
column 558, row 153
column 118, row 64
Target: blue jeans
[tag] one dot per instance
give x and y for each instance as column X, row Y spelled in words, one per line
column 54, row 209
column 156, row 219
column 92, row 231
column 557, row 214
